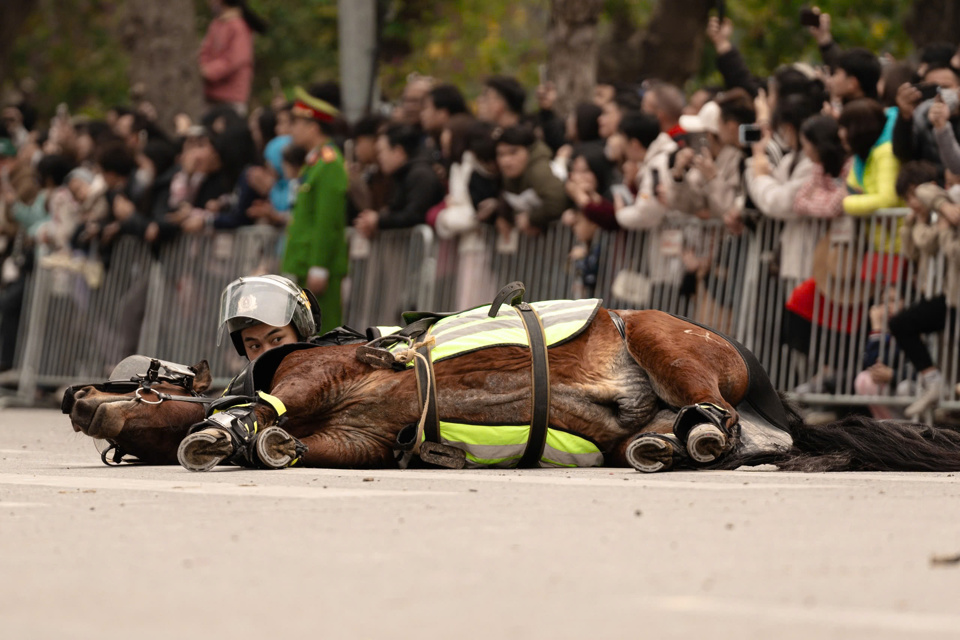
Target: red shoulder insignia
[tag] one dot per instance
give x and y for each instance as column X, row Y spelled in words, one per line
column 312, row 158
column 328, row 154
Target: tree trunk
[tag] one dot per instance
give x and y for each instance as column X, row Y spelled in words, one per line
column 572, row 50
column 672, row 45
column 161, row 38
column 933, row 21
column 13, row 13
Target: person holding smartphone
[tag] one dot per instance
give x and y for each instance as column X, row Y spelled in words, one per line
column 774, row 189
column 651, row 149
column 708, row 183
column 921, row 131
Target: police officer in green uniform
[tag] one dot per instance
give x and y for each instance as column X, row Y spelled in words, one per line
column 316, row 248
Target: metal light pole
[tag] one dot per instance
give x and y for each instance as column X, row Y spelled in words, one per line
column 357, row 26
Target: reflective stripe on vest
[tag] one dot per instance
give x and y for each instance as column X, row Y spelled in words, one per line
column 387, row 331
column 502, row 446
column 473, row 329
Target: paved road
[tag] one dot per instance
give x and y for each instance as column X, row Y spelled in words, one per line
column 156, row 552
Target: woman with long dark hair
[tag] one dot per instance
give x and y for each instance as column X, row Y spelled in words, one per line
column 226, row 55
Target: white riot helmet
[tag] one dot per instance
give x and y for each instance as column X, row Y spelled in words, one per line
column 272, row 300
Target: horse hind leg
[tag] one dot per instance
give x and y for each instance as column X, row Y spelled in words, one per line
column 691, row 368
column 659, row 447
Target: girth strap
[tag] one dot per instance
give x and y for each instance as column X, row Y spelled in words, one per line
column 423, row 439
column 540, row 372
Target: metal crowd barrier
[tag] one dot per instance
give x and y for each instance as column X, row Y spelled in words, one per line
column 82, row 316
column 388, row 275
column 739, row 285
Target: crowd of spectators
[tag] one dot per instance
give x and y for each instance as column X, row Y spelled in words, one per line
column 855, row 135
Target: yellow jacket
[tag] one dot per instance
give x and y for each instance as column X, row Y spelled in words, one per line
column 876, row 189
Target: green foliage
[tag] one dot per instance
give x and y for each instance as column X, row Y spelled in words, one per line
column 464, row 41
column 769, row 34
column 70, row 46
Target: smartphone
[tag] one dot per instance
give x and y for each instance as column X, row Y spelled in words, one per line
column 750, row 134
column 928, row 90
column 348, row 150
column 655, row 173
column 721, row 10
column 542, row 70
column 697, row 141
column 809, row 17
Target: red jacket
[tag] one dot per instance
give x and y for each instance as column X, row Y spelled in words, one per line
column 226, row 60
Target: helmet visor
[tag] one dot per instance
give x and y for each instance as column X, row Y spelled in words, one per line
column 137, row 367
column 251, row 300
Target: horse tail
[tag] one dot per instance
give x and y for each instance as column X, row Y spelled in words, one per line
column 858, row 443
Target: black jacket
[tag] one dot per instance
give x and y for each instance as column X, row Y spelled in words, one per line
column 416, row 189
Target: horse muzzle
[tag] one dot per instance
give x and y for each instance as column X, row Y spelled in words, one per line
column 99, row 416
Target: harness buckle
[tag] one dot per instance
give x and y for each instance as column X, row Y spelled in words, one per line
column 376, row 356
column 442, row 455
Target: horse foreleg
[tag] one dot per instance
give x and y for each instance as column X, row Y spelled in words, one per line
column 346, row 448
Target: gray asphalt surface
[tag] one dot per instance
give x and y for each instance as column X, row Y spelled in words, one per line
column 88, row 551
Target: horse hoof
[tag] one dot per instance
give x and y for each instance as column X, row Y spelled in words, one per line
column 706, row 443
column 203, row 450
column 276, row 448
column 653, row 452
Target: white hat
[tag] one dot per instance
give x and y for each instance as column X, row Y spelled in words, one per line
column 708, row 120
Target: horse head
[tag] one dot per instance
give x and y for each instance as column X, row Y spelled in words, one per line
column 140, row 409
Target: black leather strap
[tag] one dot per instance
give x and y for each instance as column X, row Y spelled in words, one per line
column 540, row 371
column 511, row 293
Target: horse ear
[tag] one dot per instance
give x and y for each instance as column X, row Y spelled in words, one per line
column 202, row 378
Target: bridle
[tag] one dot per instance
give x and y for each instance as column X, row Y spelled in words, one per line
column 158, row 372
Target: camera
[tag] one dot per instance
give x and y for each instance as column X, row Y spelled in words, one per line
column 928, row 90
column 750, row 134
column 809, row 17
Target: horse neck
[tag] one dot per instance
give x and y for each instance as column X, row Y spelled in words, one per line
column 329, row 386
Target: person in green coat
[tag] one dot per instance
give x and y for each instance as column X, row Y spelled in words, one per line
column 316, row 249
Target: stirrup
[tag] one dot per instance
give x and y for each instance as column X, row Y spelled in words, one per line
column 442, row 455
column 654, row 452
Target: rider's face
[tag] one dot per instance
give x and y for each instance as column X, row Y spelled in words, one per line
column 260, row 338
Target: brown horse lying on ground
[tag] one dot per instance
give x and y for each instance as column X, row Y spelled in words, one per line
column 619, row 388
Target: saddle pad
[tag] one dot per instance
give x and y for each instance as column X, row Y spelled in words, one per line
column 473, row 330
